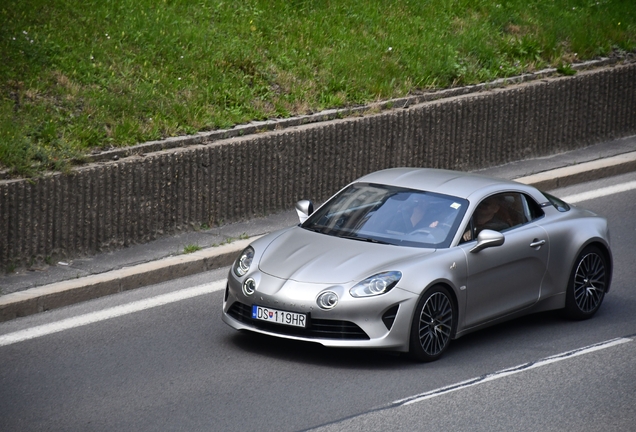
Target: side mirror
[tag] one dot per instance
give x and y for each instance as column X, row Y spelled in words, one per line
column 488, row 238
column 304, row 208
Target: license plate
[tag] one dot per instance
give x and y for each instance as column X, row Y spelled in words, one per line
column 278, row 316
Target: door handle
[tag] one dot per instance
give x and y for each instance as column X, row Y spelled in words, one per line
column 537, row 243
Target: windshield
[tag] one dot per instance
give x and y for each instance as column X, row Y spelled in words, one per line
column 391, row 215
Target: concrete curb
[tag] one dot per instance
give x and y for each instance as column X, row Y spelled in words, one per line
column 69, row 292
column 73, row 291
column 579, row 173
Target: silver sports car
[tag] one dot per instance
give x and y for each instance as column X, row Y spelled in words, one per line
column 407, row 259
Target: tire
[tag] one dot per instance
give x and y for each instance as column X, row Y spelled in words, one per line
column 587, row 285
column 433, row 324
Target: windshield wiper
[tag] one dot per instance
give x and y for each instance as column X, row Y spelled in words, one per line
column 329, row 231
column 364, row 239
column 316, row 228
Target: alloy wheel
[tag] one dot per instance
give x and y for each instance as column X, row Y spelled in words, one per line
column 436, row 321
column 589, row 282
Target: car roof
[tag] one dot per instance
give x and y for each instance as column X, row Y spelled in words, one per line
column 455, row 183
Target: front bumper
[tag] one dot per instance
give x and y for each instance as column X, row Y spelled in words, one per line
column 380, row 322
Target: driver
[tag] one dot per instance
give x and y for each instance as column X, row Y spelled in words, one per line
column 422, row 215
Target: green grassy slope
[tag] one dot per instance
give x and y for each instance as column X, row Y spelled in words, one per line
column 78, row 76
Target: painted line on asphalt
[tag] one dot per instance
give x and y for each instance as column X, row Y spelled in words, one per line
column 113, row 312
column 507, row 372
column 597, row 193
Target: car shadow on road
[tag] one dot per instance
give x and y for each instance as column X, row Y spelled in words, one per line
column 316, row 354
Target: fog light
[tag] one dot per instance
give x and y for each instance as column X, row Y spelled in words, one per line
column 327, row 300
column 249, row 286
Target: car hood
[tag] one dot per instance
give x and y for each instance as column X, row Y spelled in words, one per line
column 310, row 257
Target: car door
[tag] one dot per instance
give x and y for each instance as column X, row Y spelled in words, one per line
column 506, row 278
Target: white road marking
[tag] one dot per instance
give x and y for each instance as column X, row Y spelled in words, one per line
column 507, row 372
column 597, row 193
column 109, row 313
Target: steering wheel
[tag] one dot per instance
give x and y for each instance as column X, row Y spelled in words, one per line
column 435, row 234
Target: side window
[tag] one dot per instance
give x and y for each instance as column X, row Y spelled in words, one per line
column 558, row 204
column 532, row 210
column 501, row 212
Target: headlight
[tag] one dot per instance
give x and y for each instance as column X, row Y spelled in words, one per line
column 376, row 284
column 244, row 261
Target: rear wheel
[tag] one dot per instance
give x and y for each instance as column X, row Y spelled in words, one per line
column 587, row 284
column 433, row 324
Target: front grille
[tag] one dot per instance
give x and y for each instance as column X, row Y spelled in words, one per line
column 316, row 328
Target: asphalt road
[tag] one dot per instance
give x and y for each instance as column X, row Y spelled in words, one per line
column 178, row 367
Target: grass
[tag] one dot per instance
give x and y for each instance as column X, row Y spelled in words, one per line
column 191, row 248
column 228, row 240
column 77, row 77
column 10, row 268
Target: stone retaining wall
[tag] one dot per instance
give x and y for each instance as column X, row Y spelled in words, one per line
column 112, row 204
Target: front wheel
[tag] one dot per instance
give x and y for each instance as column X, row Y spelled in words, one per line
column 587, row 284
column 433, row 323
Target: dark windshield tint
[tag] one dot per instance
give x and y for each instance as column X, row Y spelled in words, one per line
column 385, row 214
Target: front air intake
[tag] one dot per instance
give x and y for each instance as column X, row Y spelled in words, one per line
column 389, row 316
